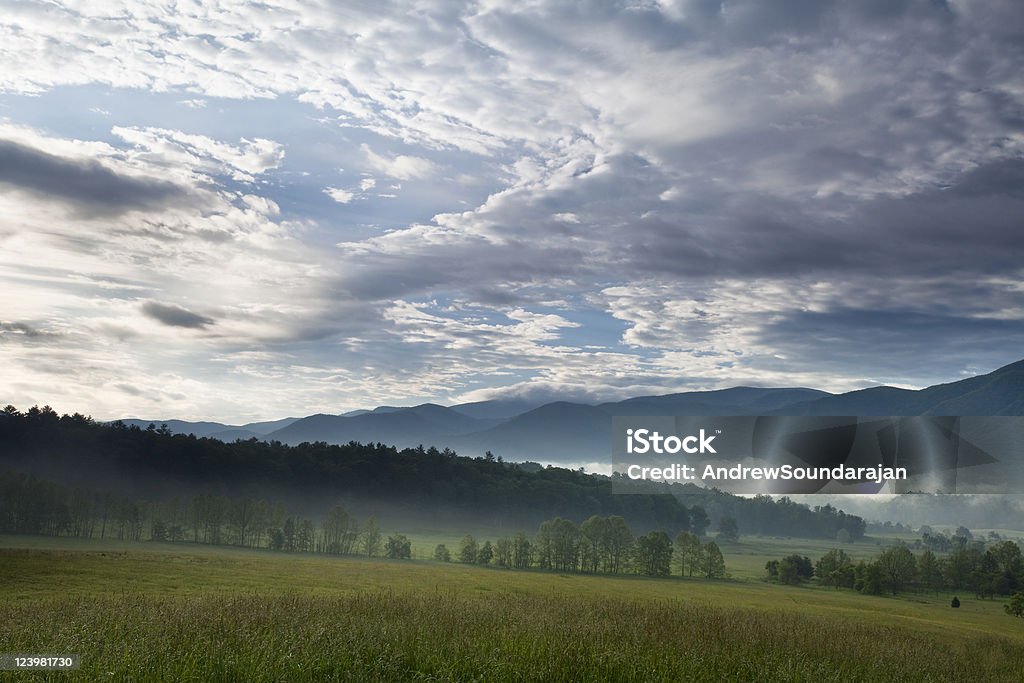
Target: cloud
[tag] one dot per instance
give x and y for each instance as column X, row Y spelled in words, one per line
column 339, row 195
column 175, row 316
column 243, row 162
column 402, row 167
column 80, row 278
column 20, row 331
column 597, row 199
column 87, row 184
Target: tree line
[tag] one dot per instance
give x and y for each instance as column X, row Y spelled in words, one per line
column 141, row 462
column 599, row 545
column 29, row 505
column 986, row 570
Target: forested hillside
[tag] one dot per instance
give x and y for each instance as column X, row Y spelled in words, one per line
column 154, row 464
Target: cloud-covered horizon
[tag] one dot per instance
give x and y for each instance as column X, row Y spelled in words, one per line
column 268, row 209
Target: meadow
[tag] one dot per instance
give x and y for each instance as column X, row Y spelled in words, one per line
column 172, row 612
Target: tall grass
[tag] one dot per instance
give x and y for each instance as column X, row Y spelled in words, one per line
column 439, row 636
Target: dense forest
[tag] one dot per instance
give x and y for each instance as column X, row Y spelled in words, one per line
column 78, row 453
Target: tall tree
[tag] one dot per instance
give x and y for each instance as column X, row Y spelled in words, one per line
column 371, row 538
column 503, row 552
column 835, row 568
column 929, row 571
column 398, row 547
column 713, row 562
column 699, row 520
column 728, row 530
column 522, row 551
column 335, row 530
column 688, row 550
column 486, row 553
column 653, row 554
column 468, row 549
column 898, row 567
column 619, row 542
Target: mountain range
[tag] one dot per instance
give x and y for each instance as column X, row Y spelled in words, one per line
column 563, row 432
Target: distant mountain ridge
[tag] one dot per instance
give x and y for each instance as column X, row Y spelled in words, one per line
column 216, row 430
column 566, row 432
column 1000, row 392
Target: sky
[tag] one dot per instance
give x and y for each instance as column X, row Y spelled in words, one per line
column 239, row 211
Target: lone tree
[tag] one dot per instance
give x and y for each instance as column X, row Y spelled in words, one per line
column 728, row 529
column 698, row 520
column 398, row 547
column 442, row 554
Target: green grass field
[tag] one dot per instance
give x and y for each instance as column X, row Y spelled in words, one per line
column 166, row 612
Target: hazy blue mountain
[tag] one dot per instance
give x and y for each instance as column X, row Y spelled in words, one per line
column 235, row 434
column 261, row 428
column 423, row 424
column 873, row 401
column 735, row 401
column 568, row 432
column 1000, row 392
column 451, row 421
column 216, row 430
column 200, row 429
column 573, row 432
column 497, row 409
column 556, row 432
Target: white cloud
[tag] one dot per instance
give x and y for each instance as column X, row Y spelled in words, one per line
column 402, row 167
column 175, row 148
column 339, row 195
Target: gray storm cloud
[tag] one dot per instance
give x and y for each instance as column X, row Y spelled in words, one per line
column 85, row 183
column 175, row 316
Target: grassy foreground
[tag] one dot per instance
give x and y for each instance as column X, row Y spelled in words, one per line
column 175, row 613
